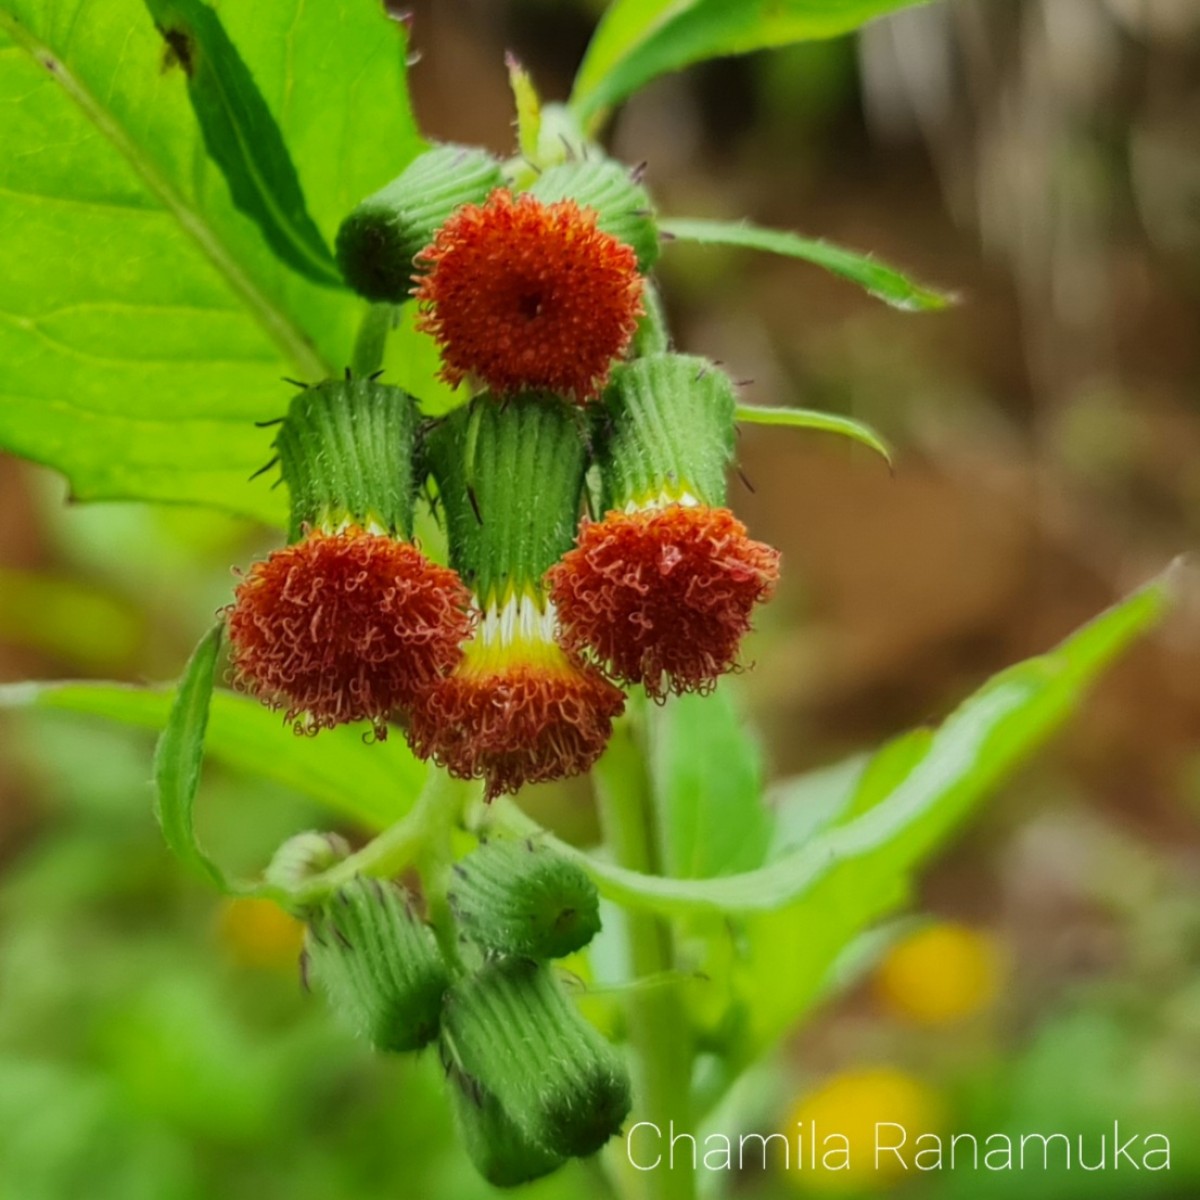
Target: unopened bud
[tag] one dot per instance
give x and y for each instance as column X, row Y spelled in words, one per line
column 377, row 241
column 511, row 1028
column 379, row 964
column 522, row 898
column 502, row 1154
column 303, row 856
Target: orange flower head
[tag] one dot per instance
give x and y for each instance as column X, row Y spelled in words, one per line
column 524, row 295
column 662, row 595
column 345, row 626
column 519, row 709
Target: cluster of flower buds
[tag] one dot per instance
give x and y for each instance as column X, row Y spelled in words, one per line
column 531, row 1083
column 509, row 664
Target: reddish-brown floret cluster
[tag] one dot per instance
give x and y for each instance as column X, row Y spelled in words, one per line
column 524, row 296
column 344, row 627
column 663, row 596
column 527, row 723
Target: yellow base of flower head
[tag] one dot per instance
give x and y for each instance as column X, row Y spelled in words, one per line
column 519, row 709
column 517, row 633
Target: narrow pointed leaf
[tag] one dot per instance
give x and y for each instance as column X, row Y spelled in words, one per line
column 179, row 756
column 528, row 105
column 241, row 135
column 878, row 279
column 626, row 24
column 808, row 418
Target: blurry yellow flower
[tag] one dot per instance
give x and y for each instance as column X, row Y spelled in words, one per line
column 259, row 934
column 941, row 973
column 842, row 1123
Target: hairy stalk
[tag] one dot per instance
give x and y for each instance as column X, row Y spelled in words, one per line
column 422, row 837
column 370, row 345
column 660, row 1039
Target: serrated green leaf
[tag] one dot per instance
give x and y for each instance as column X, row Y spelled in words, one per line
column 809, row 418
column 373, row 784
column 638, row 40
column 145, row 319
column 179, row 757
column 878, row 279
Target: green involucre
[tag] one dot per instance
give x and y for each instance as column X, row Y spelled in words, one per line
column 509, row 475
column 379, row 965
column 346, row 453
column 511, row 1028
column 669, row 431
column 623, row 207
column 495, row 1144
column 522, row 898
column 652, row 335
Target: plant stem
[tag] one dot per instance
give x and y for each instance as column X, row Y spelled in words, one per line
column 658, row 1034
column 370, row 345
column 421, row 833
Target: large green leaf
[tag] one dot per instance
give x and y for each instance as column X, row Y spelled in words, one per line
column 707, row 775
column 373, row 784
column 146, row 312
column 639, row 40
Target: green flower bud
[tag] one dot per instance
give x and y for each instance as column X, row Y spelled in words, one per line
column 377, row 241
column 379, row 965
column 502, row 1154
column 519, row 897
column 511, row 1027
column 303, row 856
column 623, row 206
